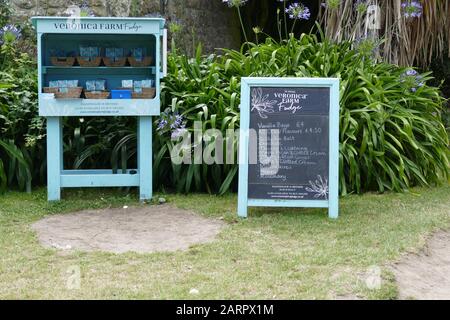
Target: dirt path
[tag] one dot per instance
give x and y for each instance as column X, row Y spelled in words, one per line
column 426, row 275
column 138, row 229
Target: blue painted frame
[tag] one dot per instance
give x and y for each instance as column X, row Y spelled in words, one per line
column 333, row 200
column 133, row 27
column 144, row 109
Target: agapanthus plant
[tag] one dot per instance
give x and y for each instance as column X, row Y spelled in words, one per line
column 412, row 9
column 86, row 11
column 331, row 4
column 235, row 3
column 297, row 11
column 412, row 79
column 361, row 6
column 367, row 47
column 171, row 122
column 285, row 22
column 9, row 33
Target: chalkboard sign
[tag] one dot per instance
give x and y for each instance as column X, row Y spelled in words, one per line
column 289, row 143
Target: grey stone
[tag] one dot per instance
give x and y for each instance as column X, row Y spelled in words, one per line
column 207, row 21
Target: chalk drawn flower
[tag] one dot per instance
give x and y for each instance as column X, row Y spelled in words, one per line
column 318, row 187
column 261, row 103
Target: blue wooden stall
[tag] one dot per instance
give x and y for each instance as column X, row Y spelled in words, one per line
column 68, row 36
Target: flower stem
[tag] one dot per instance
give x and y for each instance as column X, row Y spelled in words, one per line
column 279, row 26
column 293, row 25
column 285, row 20
column 242, row 25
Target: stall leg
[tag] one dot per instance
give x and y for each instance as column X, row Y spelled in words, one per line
column 145, row 158
column 333, row 209
column 242, row 208
column 54, row 158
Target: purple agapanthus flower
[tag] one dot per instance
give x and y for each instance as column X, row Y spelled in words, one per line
column 298, row 11
column 162, row 124
column 411, row 72
column 177, row 121
column 9, row 33
column 412, row 9
column 412, row 79
column 171, row 122
column 86, row 11
column 178, row 132
column 234, row 3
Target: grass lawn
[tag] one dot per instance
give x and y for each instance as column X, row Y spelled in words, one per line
column 276, row 253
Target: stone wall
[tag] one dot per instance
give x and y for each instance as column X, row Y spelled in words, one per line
column 206, row 21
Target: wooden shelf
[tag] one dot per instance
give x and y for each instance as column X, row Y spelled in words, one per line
column 50, row 107
column 47, row 69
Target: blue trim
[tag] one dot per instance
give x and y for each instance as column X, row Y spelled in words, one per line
column 94, row 107
column 44, row 24
column 98, row 171
column 333, row 203
column 243, row 153
column 54, row 159
column 333, row 210
column 145, row 158
column 99, row 180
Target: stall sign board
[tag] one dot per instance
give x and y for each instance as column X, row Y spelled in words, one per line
column 289, row 143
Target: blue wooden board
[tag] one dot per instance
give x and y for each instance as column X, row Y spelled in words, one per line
column 302, row 116
column 67, row 34
column 97, row 107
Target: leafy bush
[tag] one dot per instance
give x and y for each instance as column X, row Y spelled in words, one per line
column 198, row 89
column 392, row 136
column 21, row 150
column 100, row 142
column 441, row 72
column 391, row 130
column 5, row 12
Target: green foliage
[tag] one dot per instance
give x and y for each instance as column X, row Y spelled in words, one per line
column 100, row 142
column 5, row 12
column 441, row 72
column 21, row 150
column 198, row 89
column 392, row 136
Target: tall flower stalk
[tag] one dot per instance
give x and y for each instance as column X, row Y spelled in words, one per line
column 237, row 4
column 285, row 18
column 295, row 11
column 242, row 24
column 279, row 25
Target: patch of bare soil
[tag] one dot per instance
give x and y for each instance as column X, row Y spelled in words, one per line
column 426, row 276
column 137, row 229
